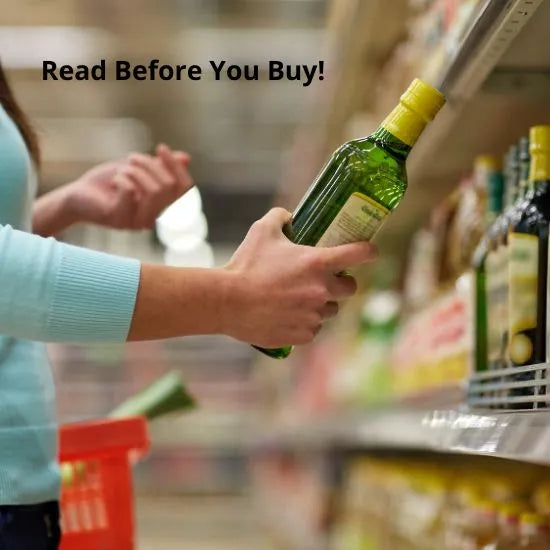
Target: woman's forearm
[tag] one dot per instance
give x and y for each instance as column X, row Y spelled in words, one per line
column 52, row 213
column 177, row 302
column 272, row 292
column 54, row 292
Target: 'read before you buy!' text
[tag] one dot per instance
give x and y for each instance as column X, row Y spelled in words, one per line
column 154, row 69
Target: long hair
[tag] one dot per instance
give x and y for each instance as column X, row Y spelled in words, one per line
column 7, row 100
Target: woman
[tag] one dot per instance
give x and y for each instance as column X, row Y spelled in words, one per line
column 271, row 293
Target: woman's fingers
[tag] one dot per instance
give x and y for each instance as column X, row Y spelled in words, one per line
column 183, row 157
column 329, row 310
column 176, row 164
column 341, row 287
column 147, row 183
column 344, row 256
column 155, row 168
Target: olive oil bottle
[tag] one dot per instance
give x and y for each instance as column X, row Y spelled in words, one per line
column 516, row 189
column 528, row 247
column 485, row 263
column 513, row 194
column 363, row 181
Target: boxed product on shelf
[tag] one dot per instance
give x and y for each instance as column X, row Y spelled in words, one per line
column 433, row 347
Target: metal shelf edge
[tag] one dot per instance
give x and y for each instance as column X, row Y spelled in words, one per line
column 522, row 436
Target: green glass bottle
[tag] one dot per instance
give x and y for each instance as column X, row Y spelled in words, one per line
column 514, row 196
column 363, row 181
column 486, row 266
column 528, row 246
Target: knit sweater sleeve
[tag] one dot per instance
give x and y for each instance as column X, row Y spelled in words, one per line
column 55, row 292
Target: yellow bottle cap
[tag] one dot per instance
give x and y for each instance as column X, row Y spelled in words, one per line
column 423, row 99
column 417, row 106
column 489, row 162
column 539, row 138
column 539, row 146
column 530, row 518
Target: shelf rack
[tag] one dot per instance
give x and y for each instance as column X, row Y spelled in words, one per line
column 497, row 70
column 516, row 388
column 522, row 436
column 500, row 68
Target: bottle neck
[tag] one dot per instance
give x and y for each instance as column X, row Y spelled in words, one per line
column 522, row 181
column 391, row 143
column 404, row 124
column 511, row 192
column 494, row 187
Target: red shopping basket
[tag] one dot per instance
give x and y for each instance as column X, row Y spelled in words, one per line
column 97, row 500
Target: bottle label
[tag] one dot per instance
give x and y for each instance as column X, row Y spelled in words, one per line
column 358, row 220
column 503, row 298
column 523, row 279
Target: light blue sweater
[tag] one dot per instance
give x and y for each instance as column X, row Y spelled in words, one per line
column 49, row 292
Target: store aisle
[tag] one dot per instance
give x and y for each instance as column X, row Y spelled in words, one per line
column 199, row 523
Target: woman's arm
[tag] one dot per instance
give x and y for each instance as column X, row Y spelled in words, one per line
column 127, row 194
column 272, row 292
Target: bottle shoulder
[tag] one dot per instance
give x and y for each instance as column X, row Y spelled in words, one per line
column 533, row 212
column 367, row 155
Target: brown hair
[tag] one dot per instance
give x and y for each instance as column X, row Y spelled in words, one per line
column 7, row 100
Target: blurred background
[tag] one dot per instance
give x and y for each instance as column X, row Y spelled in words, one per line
column 259, row 464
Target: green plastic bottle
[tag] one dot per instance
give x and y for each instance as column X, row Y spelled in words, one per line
column 363, row 181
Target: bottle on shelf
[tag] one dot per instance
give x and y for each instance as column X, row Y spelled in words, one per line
column 534, row 532
column 485, row 262
column 528, row 247
column 513, row 193
column 498, row 314
column 363, row 181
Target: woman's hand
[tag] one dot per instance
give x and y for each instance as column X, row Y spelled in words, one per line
column 125, row 194
column 282, row 292
column 272, row 293
column 131, row 193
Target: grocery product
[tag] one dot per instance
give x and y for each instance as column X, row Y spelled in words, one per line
column 499, row 243
column 479, row 527
column 364, row 180
column 528, row 241
column 534, row 532
column 486, row 262
column 508, row 526
column 411, row 503
column 469, row 222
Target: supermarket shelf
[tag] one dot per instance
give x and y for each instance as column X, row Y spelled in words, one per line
column 520, row 436
column 518, row 388
column 492, row 31
column 496, row 83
